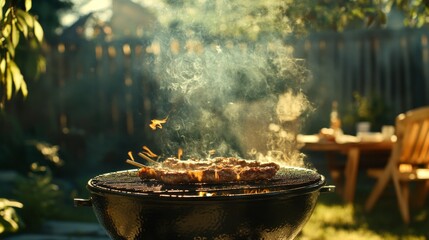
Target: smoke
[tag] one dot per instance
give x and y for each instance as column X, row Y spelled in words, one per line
column 237, row 98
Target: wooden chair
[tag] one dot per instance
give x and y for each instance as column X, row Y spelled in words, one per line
column 409, row 161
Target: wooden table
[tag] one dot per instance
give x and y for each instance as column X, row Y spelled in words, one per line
column 352, row 150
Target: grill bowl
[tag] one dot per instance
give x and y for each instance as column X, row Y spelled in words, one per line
column 130, row 208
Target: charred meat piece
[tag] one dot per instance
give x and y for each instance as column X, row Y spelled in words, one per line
column 216, row 170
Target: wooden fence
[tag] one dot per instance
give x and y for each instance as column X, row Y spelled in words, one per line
column 109, row 86
column 390, row 66
column 102, row 86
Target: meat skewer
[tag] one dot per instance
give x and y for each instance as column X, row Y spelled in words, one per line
column 134, row 163
column 216, row 170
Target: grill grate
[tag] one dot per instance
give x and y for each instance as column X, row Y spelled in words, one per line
column 287, row 178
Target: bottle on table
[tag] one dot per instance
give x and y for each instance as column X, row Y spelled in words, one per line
column 335, row 121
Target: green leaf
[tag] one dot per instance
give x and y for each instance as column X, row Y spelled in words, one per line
column 358, row 12
column 22, row 25
column 6, row 30
column 2, row 3
column 41, row 64
column 7, row 13
column 17, row 77
column 4, row 202
column 38, row 31
column 15, row 36
column 8, row 84
column 24, row 89
column 10, row 48
column 9, row 220
column 27, row 5
column 26, row 16
column 2, row 67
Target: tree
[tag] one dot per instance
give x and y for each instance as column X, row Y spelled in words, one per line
column 255, row 20
column 213, row 20
column 341, row 15
column 15, row 22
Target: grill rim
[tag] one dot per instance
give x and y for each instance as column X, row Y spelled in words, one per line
column 286, row 190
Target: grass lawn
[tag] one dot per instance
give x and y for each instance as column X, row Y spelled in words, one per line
column 334, row 220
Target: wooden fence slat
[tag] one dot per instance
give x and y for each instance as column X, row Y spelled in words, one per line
column 425, row 63
column 387, row 66
column 367, row 65
column 341, row 70
column 407, row 80
column 348, row 84
column 377, row 66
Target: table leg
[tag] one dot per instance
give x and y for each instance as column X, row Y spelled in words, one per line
column 422, row 189
column 351, row 174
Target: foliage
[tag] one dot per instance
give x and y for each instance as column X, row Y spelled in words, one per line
column 39, row 195
column 342, row 15
column 416, row 13
column 253, row 20
column 239, row 20
column 18, row 150
column 9, row 220
column 334, row 15
column 14, row 22
column 366, row 108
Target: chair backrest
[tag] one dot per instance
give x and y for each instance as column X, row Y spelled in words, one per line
column 412, row 131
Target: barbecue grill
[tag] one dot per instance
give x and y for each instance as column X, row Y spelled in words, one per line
column 131, row 208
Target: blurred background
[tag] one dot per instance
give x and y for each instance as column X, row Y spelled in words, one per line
column 94, row 84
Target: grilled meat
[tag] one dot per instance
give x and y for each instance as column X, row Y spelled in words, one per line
column 216, row 170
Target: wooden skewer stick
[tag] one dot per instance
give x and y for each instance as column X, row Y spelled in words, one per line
column 134, row 163
column 148, row 158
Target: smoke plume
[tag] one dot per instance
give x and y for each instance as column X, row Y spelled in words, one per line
column 237, row 98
